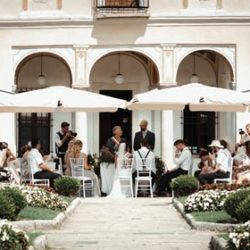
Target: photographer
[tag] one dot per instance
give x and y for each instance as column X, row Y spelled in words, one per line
column 63, row 137
column 245, row 136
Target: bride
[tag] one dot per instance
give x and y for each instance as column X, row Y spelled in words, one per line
column 117, row 146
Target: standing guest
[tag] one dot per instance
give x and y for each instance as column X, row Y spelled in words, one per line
column 221, row 166
column 114, row 142
column 183, row 161
column 144, row 134
column 75, row 152
column 39, row 169
column 146, row 154
column 62, row 139
column 245, row 136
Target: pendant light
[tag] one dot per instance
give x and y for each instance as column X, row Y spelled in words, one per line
column 119, row 78
column 194, row 78
column 41, row 80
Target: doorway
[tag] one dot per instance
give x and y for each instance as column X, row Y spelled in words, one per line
column 199, row 129
column 121, row 118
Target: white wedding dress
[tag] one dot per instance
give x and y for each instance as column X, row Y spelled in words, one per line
column 116, row 191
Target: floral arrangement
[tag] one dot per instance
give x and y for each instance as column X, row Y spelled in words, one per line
column 160, row 167
column 206, row 200
column 39, row 197
column 12, row 238
column 239, row 239
column 224, row 186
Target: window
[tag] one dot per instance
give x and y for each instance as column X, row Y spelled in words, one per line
column 120, row 4
column 199, row 129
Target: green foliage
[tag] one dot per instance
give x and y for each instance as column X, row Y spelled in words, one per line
column 243, row 210
column 184, row 185
column 233, row 201
column 17, row 197
column 7, row 207
column 12, row 238
column 67, row 186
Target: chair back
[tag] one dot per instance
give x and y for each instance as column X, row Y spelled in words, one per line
column 77, row 167
column 125, row 167
column 144, row 166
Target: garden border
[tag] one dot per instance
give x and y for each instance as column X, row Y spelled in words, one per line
column 218, row 243
column 36, row 225
column 203, row 226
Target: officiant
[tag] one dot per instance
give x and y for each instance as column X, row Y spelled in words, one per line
column 144, row 134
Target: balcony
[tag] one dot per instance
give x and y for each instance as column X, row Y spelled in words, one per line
column 121, row 8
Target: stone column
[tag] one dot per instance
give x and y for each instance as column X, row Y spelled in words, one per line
column 81, row 80
column 168, row 77
column 81, row 128
column 167, row 132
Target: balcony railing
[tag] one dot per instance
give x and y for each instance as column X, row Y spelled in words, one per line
column 122, row 4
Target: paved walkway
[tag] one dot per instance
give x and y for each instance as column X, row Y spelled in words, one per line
column 140, row 224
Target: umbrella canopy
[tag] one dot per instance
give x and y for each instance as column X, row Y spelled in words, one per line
column 199, row 97
column 6, row 99
column 63, row 99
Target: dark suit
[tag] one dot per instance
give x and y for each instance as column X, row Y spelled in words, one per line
column 150, row 138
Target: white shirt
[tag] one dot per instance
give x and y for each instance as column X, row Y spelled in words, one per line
column 144, row 151
column 242, row 158
column 184, row 161
column 34, row 160
column 222, row 160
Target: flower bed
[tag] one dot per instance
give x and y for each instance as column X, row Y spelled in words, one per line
column 224, row 186
column 38, row 197
column 12, row 238
column 239, row 239
column 207, row 200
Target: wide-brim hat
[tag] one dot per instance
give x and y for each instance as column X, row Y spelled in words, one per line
column 216, row 143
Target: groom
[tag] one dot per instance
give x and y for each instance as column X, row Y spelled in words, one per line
column 146, row 135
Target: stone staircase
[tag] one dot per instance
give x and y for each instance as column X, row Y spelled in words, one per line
column 127, row 224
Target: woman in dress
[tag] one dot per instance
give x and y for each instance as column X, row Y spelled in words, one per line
column 75, row 152
column 117, row 146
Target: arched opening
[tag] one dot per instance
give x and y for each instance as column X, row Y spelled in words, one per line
column 213, row 69
column 55, row 71
column 139, row 74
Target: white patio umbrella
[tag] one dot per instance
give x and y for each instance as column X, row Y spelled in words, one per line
column 64, row 99
column 6, row 99
column 199, row 97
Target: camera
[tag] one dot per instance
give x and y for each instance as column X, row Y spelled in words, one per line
column 73, row 134
column 241, row 131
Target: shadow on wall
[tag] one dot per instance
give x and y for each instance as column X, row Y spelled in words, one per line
column 122, row 31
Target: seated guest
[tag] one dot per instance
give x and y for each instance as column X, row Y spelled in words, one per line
column 36, row 163
column 245, row 135
column 183, row 161
column 75, row 152
column 206, row 163
column 221, row 166
column 243, row 158
column 144, row 153
column 25, row 166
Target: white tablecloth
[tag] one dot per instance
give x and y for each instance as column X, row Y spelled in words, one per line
column 107, row 176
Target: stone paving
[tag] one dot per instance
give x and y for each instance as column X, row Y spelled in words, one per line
column 127, row 224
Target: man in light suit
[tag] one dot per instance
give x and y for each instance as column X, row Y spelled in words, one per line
column 146, row 135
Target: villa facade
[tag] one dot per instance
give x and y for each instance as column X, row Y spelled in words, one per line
column 151, row 43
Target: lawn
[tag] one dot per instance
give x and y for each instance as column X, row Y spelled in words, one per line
column 209, row 216
column 37, row 213
column 213, row 216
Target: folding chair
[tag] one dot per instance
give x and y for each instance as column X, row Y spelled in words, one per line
column 230, row 178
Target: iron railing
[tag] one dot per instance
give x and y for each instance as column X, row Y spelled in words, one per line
column 122, row 4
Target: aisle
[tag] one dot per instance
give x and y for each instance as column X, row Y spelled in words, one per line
column 128, row 224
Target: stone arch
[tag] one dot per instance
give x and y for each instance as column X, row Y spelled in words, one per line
column 210, row 57
column 32, row 56
column 107, row 52
column 140, row 57
column 220, row 51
